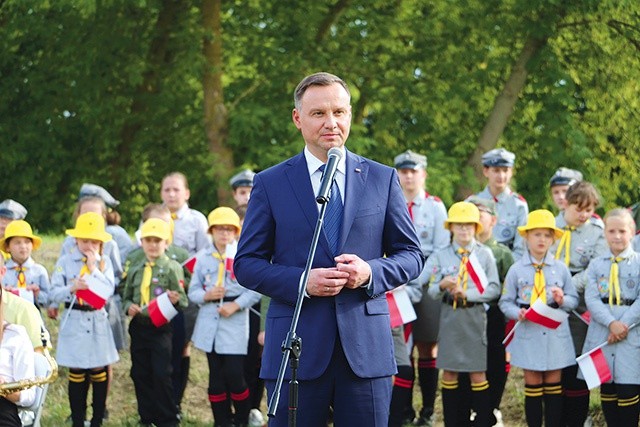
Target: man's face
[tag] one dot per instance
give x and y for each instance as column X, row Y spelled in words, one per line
column 498, row 177
column 412, row 180
column 241, row 195
column 324, row 118
column 174, row 193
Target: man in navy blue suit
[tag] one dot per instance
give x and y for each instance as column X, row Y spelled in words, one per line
column 347, row 351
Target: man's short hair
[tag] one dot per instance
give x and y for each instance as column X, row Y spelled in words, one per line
column 317, row 79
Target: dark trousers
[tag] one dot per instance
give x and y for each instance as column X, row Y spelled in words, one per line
column 178, row 341
column 496, row 356
column 356, row 401
column 253, row 360
column 226, row 377
column 8, row 414
column 151, row 372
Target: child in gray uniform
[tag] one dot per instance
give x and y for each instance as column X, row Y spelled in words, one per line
column 85, row 341
column 540, row 351
column 612, row 296
column 222, row 327
column 463, row 276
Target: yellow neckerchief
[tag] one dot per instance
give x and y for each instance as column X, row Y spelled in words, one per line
column 539, row 285
column 463, row 273
column 174, row 216
column 614, row 281
column 565, row 243
column 22, row 279
column 145, row 284
column 84, row 270
column 221, row 261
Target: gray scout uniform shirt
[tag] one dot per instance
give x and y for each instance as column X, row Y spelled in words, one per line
column 85, row 340
column 511, row 210
column 587, row 242
column 225, row 335
column 110, row 250
column 536, row 347
column 190, row 231
column 622, row 357
column 35, row 274
column 428, row 215
column 462, row 345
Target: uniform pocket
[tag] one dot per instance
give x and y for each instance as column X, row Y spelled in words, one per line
column 377, row 306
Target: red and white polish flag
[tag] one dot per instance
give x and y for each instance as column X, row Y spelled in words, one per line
column 594, row 368
column 476, row 273
column 190, row 264
column 97, row 294
column 230, row 254
column 400, row 308
column 23, row 293
column 546, row 316
column 161, row 310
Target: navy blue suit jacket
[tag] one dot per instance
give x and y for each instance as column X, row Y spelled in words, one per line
column 273, row 249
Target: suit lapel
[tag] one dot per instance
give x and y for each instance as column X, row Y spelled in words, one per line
column 356, row 178
column 298, row 176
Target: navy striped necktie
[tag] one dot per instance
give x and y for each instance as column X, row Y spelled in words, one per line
column 333, row 217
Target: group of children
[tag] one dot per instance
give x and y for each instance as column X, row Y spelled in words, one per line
column 488, row 261
column 176, row 285
column 499, row 261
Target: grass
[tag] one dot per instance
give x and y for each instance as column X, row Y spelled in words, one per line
column 196, row 410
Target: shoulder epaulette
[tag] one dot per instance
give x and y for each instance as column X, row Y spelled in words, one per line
column 436, row 198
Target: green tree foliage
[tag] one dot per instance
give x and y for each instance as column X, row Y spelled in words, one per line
column 111, row 91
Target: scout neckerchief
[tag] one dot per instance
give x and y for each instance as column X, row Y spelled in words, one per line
column 22, row 279
column 614, row 281
column 565, row 243
column 145, row 285
column 84, row 270
column 410, row 206
column 174, row 216
column 221, row 269
column 539, row 285
column 463, row 273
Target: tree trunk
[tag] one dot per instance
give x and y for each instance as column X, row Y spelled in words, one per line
column 156, row 58
column 215, row 112
column 503, row 107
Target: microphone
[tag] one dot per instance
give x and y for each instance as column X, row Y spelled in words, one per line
column 335, row 154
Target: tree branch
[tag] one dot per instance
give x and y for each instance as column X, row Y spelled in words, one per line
column 332, row 16
column 618, row 28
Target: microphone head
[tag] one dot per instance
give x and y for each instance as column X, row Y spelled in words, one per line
column 336, row 152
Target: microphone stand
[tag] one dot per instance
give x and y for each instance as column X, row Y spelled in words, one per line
column 292, row 345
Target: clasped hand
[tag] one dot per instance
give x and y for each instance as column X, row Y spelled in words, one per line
column 350, row 271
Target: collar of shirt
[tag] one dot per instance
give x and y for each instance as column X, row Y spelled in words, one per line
column 10, row 263
column 182, row 211
column 420, row 198
column 313, row 163
column 469, row 247
column 624, row 254
column 527, row 259
column 500, row 197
